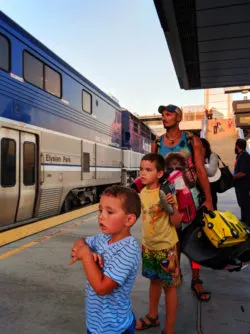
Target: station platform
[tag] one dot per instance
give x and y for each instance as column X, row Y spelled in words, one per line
column 41, row 294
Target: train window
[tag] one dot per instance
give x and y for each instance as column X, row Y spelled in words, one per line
column 33, row 70
column 86, row 162
column 29, row 163
column 4, row 53
column 41, row 75
column 145, row 132
column 87, row 102
column 52, row 82
column 136, row 127
column 8, row 162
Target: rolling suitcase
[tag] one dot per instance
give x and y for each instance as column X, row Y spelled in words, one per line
column 223, row 229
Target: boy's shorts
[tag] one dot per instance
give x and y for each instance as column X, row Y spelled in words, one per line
column 161, row 264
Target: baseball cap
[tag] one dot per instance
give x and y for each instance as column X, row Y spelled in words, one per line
column 170, row 108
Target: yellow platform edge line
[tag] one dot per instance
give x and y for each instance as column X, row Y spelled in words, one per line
column 17, row 250
column 29, row 229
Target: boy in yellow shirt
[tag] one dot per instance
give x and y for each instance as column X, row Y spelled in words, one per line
column 159, row 238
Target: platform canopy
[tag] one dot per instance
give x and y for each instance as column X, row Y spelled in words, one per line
column 209, row 41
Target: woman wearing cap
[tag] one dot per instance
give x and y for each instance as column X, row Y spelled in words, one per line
column 190, row 146
column 212, row 169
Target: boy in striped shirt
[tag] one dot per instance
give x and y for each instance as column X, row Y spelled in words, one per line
column 110, row 261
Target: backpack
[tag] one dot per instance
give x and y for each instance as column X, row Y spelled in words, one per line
column 186, row 205
column 165, row 188
column 137, row 185
column 189, row 197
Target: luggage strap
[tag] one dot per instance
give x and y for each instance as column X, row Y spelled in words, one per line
column 221, row 161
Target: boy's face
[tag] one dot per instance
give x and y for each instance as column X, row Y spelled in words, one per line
column 149, row 174
column 112, row 218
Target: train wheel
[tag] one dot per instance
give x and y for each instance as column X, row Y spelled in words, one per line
column 68, row 204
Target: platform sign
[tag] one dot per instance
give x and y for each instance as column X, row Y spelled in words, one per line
column 242, row 120
column 236, row 89
column 242, row 106
column 242, row 113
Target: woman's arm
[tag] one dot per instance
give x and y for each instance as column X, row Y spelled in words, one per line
column 201, row 172
column 213, row 164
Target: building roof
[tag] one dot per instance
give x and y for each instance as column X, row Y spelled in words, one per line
column 209, row 41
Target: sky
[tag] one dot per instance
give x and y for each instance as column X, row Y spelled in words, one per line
column 119, row 45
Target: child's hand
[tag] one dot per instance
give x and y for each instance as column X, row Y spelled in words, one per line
column 79, row 243
column 79, row 253
column 170, row 199
column 98, row 259
column 76, row 246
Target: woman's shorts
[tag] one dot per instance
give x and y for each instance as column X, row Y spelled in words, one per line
column 161, row 264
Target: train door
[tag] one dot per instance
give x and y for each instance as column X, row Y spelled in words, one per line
column 9, row 188
column 18, row 175
column 27, row 176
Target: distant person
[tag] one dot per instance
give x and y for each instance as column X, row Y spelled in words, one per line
column 242, row 179
column 229, row 122
column 210, row 113
column 215, row 126
column 246, row 133
column 212, row 169
column 159, row 252
column 110, row 261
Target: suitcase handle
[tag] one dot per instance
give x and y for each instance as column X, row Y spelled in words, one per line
column 209, row 212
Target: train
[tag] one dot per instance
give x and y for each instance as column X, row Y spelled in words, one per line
column 63, row 140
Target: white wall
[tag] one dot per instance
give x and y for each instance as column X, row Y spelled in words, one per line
column 215, row 98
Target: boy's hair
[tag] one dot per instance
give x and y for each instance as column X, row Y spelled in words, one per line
column 157, row 159
column 175, row 156
column 131, row 202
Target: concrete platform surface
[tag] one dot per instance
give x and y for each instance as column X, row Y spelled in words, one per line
column 41, row 294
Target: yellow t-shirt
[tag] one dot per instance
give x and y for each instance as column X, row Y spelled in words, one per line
column 157, row 232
